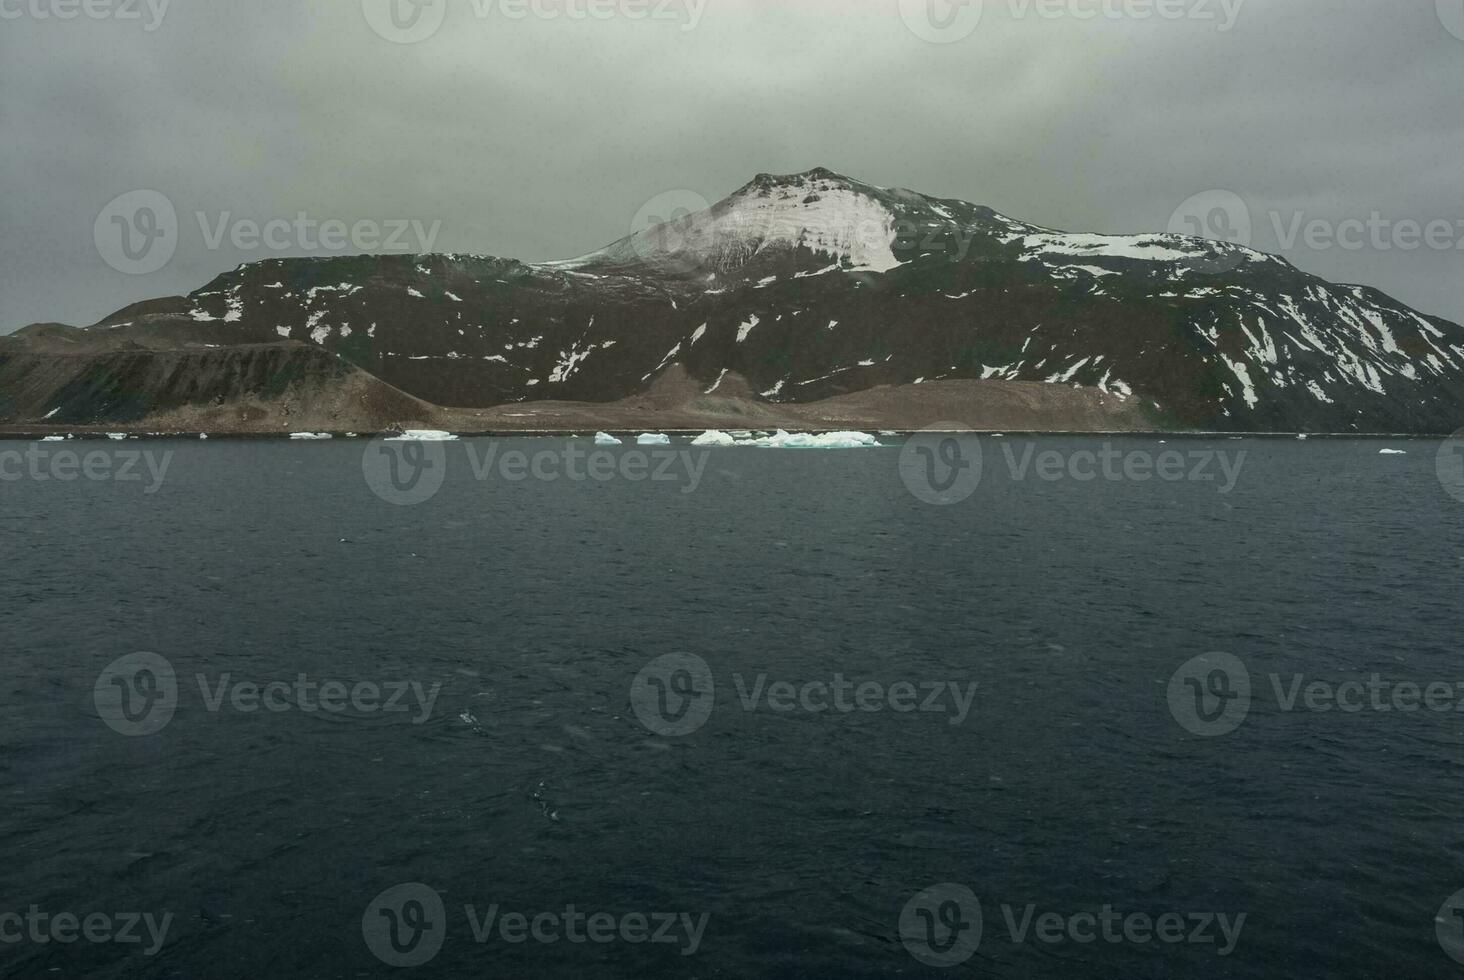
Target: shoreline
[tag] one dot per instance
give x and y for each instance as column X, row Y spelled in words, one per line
column 106, row 435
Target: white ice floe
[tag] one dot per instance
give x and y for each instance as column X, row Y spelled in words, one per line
column 821, row 440
column 714, row 437
column 606, row 439
column 305, row 436
column 652, row 439
column 424, row 435
column 1391, row 452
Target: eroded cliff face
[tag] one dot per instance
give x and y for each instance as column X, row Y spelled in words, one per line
column 247, row 388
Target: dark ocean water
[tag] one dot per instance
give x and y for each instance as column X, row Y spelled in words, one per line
column 533, row 784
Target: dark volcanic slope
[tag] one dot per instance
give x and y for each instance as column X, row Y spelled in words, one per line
column 814, row 285
column 279, row 387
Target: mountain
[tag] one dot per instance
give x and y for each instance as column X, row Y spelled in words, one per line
column 815, row 286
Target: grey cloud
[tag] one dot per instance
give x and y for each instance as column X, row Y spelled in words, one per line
column 540, row 138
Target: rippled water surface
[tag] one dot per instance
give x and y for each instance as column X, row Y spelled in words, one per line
column 532, row 783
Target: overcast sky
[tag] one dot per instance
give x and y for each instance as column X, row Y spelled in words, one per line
column 542, row 136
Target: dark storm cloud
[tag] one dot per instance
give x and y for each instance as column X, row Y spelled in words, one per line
column 538, row 131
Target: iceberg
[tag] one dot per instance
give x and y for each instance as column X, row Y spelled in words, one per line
column 423, row 435
column 606, row 439
column 822, row 440
column 652, row 439
column 714, row 437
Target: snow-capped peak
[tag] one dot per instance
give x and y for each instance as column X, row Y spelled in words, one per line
column 837, row 219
